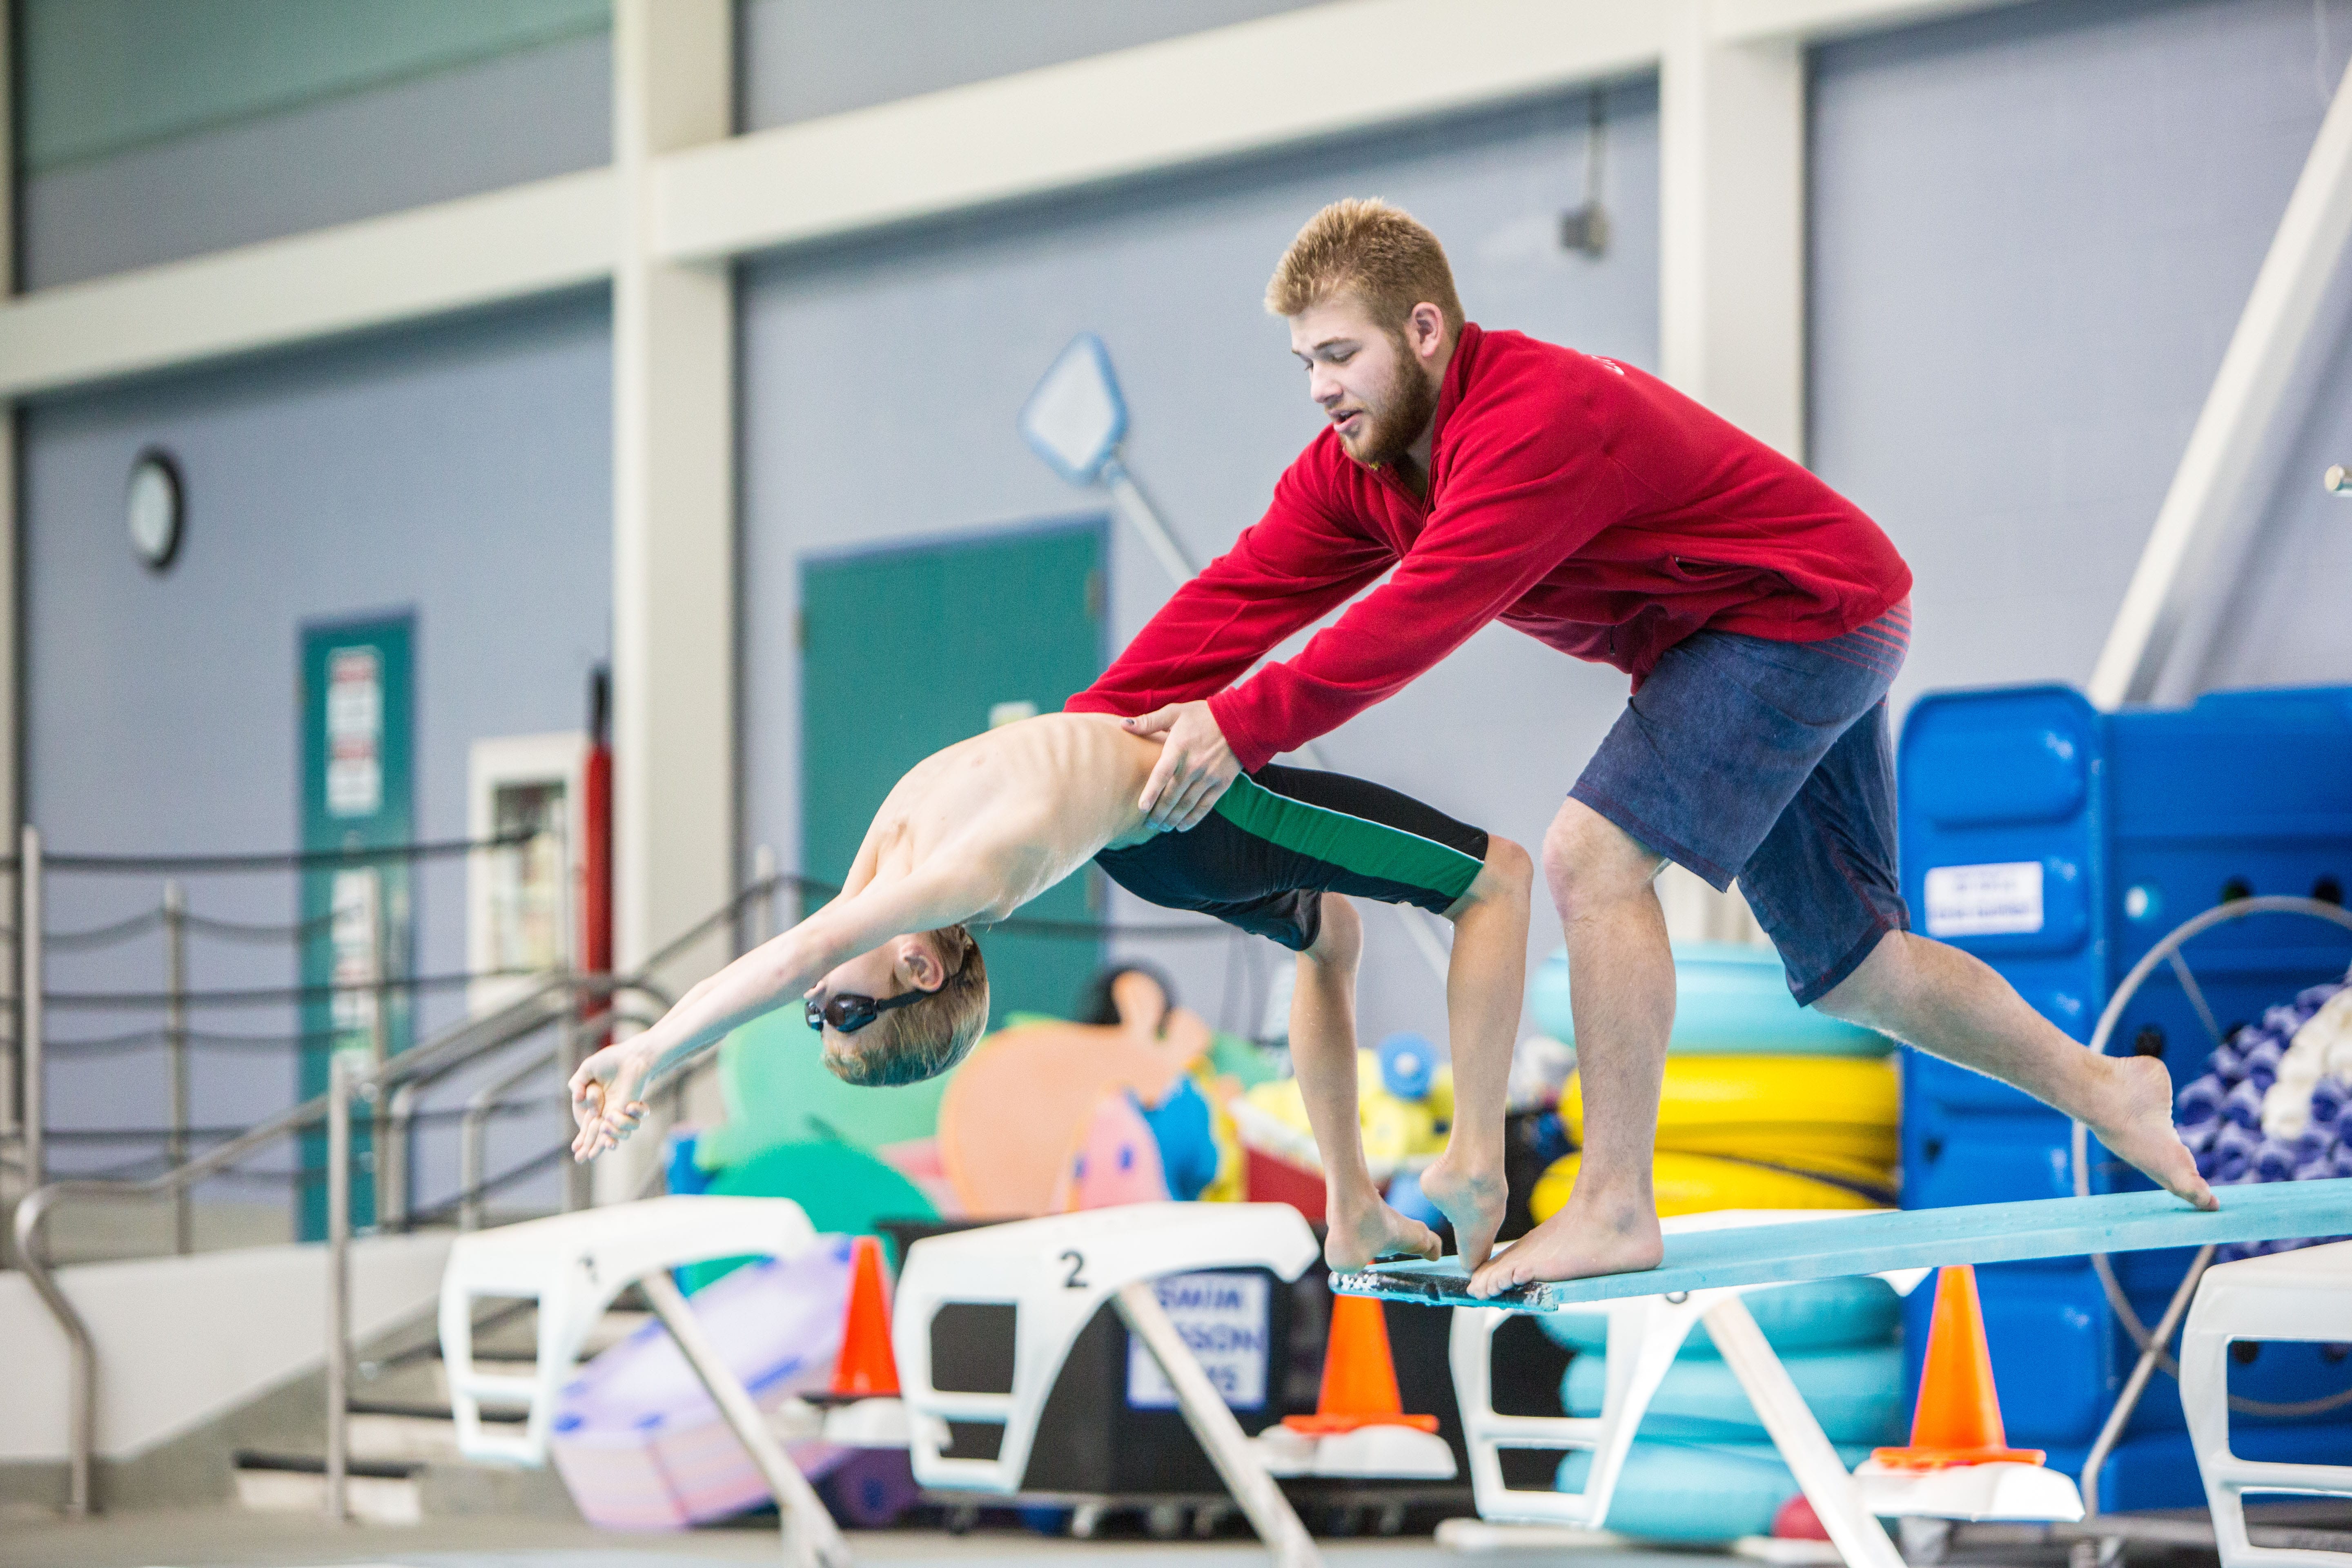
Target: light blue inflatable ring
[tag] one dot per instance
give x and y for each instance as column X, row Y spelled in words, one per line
column 1816, row 1315
column 1729, row 1000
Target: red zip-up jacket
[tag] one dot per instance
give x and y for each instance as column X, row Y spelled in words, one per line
column 1591, row 506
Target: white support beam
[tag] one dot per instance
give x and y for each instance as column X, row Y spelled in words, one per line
column 1818, row 21
column 527, row 240
column 1731, row 305
column 2158, row 646
column 673, row 510
column 11, row 599
column 1310, row 75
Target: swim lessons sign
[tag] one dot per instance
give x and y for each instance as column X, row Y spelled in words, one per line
column 1223, row 1318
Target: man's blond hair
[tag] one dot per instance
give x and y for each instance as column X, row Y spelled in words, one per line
column 1381, row 255
column 926, row 1038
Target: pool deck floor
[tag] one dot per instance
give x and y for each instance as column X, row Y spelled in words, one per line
column 233, row 1538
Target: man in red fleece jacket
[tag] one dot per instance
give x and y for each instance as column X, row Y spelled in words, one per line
column 1760, row 615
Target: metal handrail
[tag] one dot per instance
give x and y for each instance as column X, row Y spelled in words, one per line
column 544, row 1004
column 554, row 999
column 473, row 1157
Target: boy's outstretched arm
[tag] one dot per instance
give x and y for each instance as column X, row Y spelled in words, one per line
column 608, row 1091
column 1483, row 984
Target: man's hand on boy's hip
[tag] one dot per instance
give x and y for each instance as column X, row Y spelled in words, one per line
column 1195, row 767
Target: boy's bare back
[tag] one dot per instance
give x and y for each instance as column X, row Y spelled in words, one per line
column 1033, row 801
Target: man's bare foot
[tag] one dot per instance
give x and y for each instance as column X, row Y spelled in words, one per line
column 1473, row 1200
column 1591, row 1236
column 2132, row 1115
column 1363, row 1232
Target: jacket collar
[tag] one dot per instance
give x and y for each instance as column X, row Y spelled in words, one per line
column 1450, row 391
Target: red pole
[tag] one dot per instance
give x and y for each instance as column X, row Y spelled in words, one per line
column 597, row 858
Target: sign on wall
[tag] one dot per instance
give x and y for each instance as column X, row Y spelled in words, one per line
column 358, row 744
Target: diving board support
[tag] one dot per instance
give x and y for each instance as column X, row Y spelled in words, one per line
column 1821, row 1475
column 1709, row 1256
column 810, row 1538
column 1237, row 1462
column 1645, row 1334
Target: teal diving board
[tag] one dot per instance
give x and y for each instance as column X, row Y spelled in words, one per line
column 1869, row 1243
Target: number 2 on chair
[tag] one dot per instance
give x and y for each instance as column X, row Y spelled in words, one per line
column 1077, row 1262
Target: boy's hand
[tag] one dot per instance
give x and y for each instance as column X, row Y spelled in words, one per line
column 1195, row 767
column 604, row 1099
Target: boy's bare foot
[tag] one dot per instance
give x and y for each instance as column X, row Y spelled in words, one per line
column 1472, row 1199
column 1598, row 1235
column 1361, row 1234
column 2132, row 1114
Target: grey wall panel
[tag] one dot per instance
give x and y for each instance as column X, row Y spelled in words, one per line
column 541, row 112
column 2032, row 232
column 464, row 472
column 802, row 58
column 2289, row 618
column 880, row 386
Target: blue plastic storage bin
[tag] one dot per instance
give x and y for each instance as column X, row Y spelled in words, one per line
column 2059, row 843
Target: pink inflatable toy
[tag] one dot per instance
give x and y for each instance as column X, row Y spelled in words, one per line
column 1116, row 1160
column 638, row 1441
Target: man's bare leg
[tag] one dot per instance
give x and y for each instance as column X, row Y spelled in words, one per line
column 1942, row 1000
column 1482, row 986
column 1323, row 1048
column 1621, row 990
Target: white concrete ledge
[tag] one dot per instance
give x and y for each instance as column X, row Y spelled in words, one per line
column 528, row 240
column 1311, row 75
column 182, row 1341
column 1818, row 21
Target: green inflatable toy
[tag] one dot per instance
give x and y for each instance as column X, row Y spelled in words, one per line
column 845, row 1191
column 778, row 1091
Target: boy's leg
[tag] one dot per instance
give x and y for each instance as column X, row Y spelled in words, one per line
column 1484, row 982
column 1323, row 1049
column 1946, row 1001
column 1621, row 974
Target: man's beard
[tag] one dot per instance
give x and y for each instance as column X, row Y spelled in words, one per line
column 1397, row 422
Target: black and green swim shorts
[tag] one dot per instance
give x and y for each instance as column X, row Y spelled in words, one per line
column 1281, row 835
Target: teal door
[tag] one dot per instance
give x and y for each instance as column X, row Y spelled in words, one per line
column 910, row 650
column 358, row 744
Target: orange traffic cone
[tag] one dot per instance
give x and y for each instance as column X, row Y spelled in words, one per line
column 1359, row 1384
column 1958, row 1418
column 867, row 1369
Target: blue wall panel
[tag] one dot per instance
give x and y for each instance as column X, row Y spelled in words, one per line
column 2032, row 232
column 465, row 472
column 474, row 127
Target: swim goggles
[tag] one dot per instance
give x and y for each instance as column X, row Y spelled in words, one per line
column 848, row 1012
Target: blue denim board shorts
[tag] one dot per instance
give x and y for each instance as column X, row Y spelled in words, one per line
column 1770, row 763
column 1282, row 837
